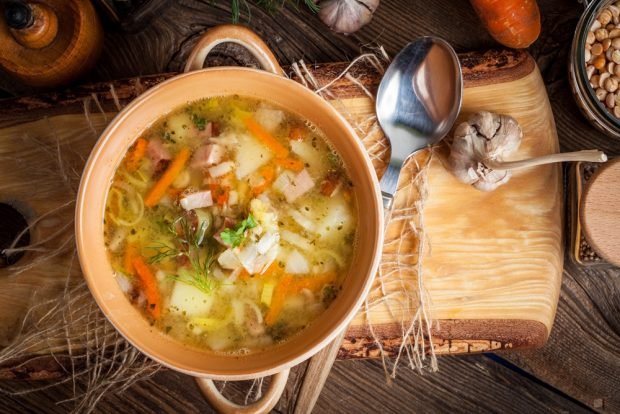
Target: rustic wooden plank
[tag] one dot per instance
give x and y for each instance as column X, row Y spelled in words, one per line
column 468, row 384
column 582, row 357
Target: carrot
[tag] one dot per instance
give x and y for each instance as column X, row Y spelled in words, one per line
column 347, row 195
column 277, row 301
column 313, row 283
column 219, row 193
column 297, row 133
column 265, row 137
column 130, row 254
column 149, row 286
column 290, row 164
column 136, row 154
column 171, row 173
column 269, row 174
column 222, row 198
column 174, row 193
column 330, row 184
column 244, row 275
column 513, row 23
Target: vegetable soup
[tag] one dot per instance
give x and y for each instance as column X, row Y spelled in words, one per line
column 230, row 224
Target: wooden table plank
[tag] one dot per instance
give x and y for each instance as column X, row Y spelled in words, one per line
column 467, row 384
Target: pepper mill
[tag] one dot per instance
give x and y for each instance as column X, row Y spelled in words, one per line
column 46, row 43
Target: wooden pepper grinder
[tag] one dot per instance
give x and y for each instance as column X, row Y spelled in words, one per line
column 46, row 43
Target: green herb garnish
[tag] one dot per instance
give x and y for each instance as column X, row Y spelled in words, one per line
column 196, row 247
column 234, row 236
column 200, row 122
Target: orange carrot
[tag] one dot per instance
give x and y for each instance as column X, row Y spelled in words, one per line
column 149, row 286
column 347, row 195
column 269, row 174
column 174, row 193
column 513, row 23
column 244, row 275
column 330, row 184
column 290, row 164
column 130, row 254
column 277, row 301
column 313, row 282
column 222, row 198
column 265, row 137
column 297, row 133
column 135, row 155
column 171, row 173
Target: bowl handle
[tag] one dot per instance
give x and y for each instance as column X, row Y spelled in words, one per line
column 264, row 405
column 235, row 34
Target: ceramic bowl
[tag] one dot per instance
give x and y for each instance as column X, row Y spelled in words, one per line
column 164, row 98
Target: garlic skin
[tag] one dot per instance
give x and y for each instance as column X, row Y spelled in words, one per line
column 346, row 16
column 484, row 136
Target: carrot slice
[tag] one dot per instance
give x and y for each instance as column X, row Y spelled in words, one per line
column 269, row 174
column 222, row 198
column 171, row 173
column 130, row 254
column 265, row 137
column 277, row 301
column 290, row 164
column 149, row 286
column 313, row 283
column 297, row 133
column 136, row 154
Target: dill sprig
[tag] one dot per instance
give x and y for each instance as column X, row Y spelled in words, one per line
column 198, row 249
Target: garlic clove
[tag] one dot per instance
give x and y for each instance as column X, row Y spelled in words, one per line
column 346, row 16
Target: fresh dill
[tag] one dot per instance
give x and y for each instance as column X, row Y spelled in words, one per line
column 196, row 247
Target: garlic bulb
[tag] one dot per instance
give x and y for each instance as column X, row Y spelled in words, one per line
column 346, row 16
column 484, row 136
column 480, row 145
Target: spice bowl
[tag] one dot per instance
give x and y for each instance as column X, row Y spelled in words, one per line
column 597, row 105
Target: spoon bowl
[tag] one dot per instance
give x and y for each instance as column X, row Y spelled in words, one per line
column 417, row 103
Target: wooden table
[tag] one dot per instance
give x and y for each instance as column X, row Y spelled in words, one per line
column 577, row 371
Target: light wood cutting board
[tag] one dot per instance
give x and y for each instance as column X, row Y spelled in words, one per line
column 493, row 270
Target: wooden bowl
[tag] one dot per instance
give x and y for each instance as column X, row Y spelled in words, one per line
column 164, row 98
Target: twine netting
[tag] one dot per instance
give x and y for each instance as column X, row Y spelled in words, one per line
column 65, row 322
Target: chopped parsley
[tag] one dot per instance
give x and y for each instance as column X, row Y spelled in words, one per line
column 200, row 122
column 234, row 236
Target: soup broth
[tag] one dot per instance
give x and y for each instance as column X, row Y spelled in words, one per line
column 230, row 224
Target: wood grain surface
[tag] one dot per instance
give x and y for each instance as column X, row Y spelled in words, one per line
column 467, row 296
column 600, row 211
column 579, row 368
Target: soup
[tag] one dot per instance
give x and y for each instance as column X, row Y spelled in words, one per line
column 230, row 224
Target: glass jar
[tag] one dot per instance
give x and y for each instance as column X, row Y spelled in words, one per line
column 593, row 109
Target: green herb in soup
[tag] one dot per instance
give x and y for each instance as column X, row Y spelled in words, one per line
column 230, row 224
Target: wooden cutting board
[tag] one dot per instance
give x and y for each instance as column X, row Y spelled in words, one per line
column 493, row 269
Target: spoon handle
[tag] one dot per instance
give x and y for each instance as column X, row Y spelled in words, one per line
column 389, row 183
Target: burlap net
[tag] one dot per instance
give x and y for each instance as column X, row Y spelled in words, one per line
column 70, row 326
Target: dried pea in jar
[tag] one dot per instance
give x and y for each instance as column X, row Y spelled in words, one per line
column 595, row 65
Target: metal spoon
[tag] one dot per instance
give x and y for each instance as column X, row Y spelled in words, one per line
column 418, row 101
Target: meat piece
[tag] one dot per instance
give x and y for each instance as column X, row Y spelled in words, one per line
column 302, row 183
column 197, row 200
column 208, row 155
column 206, row 133
column 157, row 152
